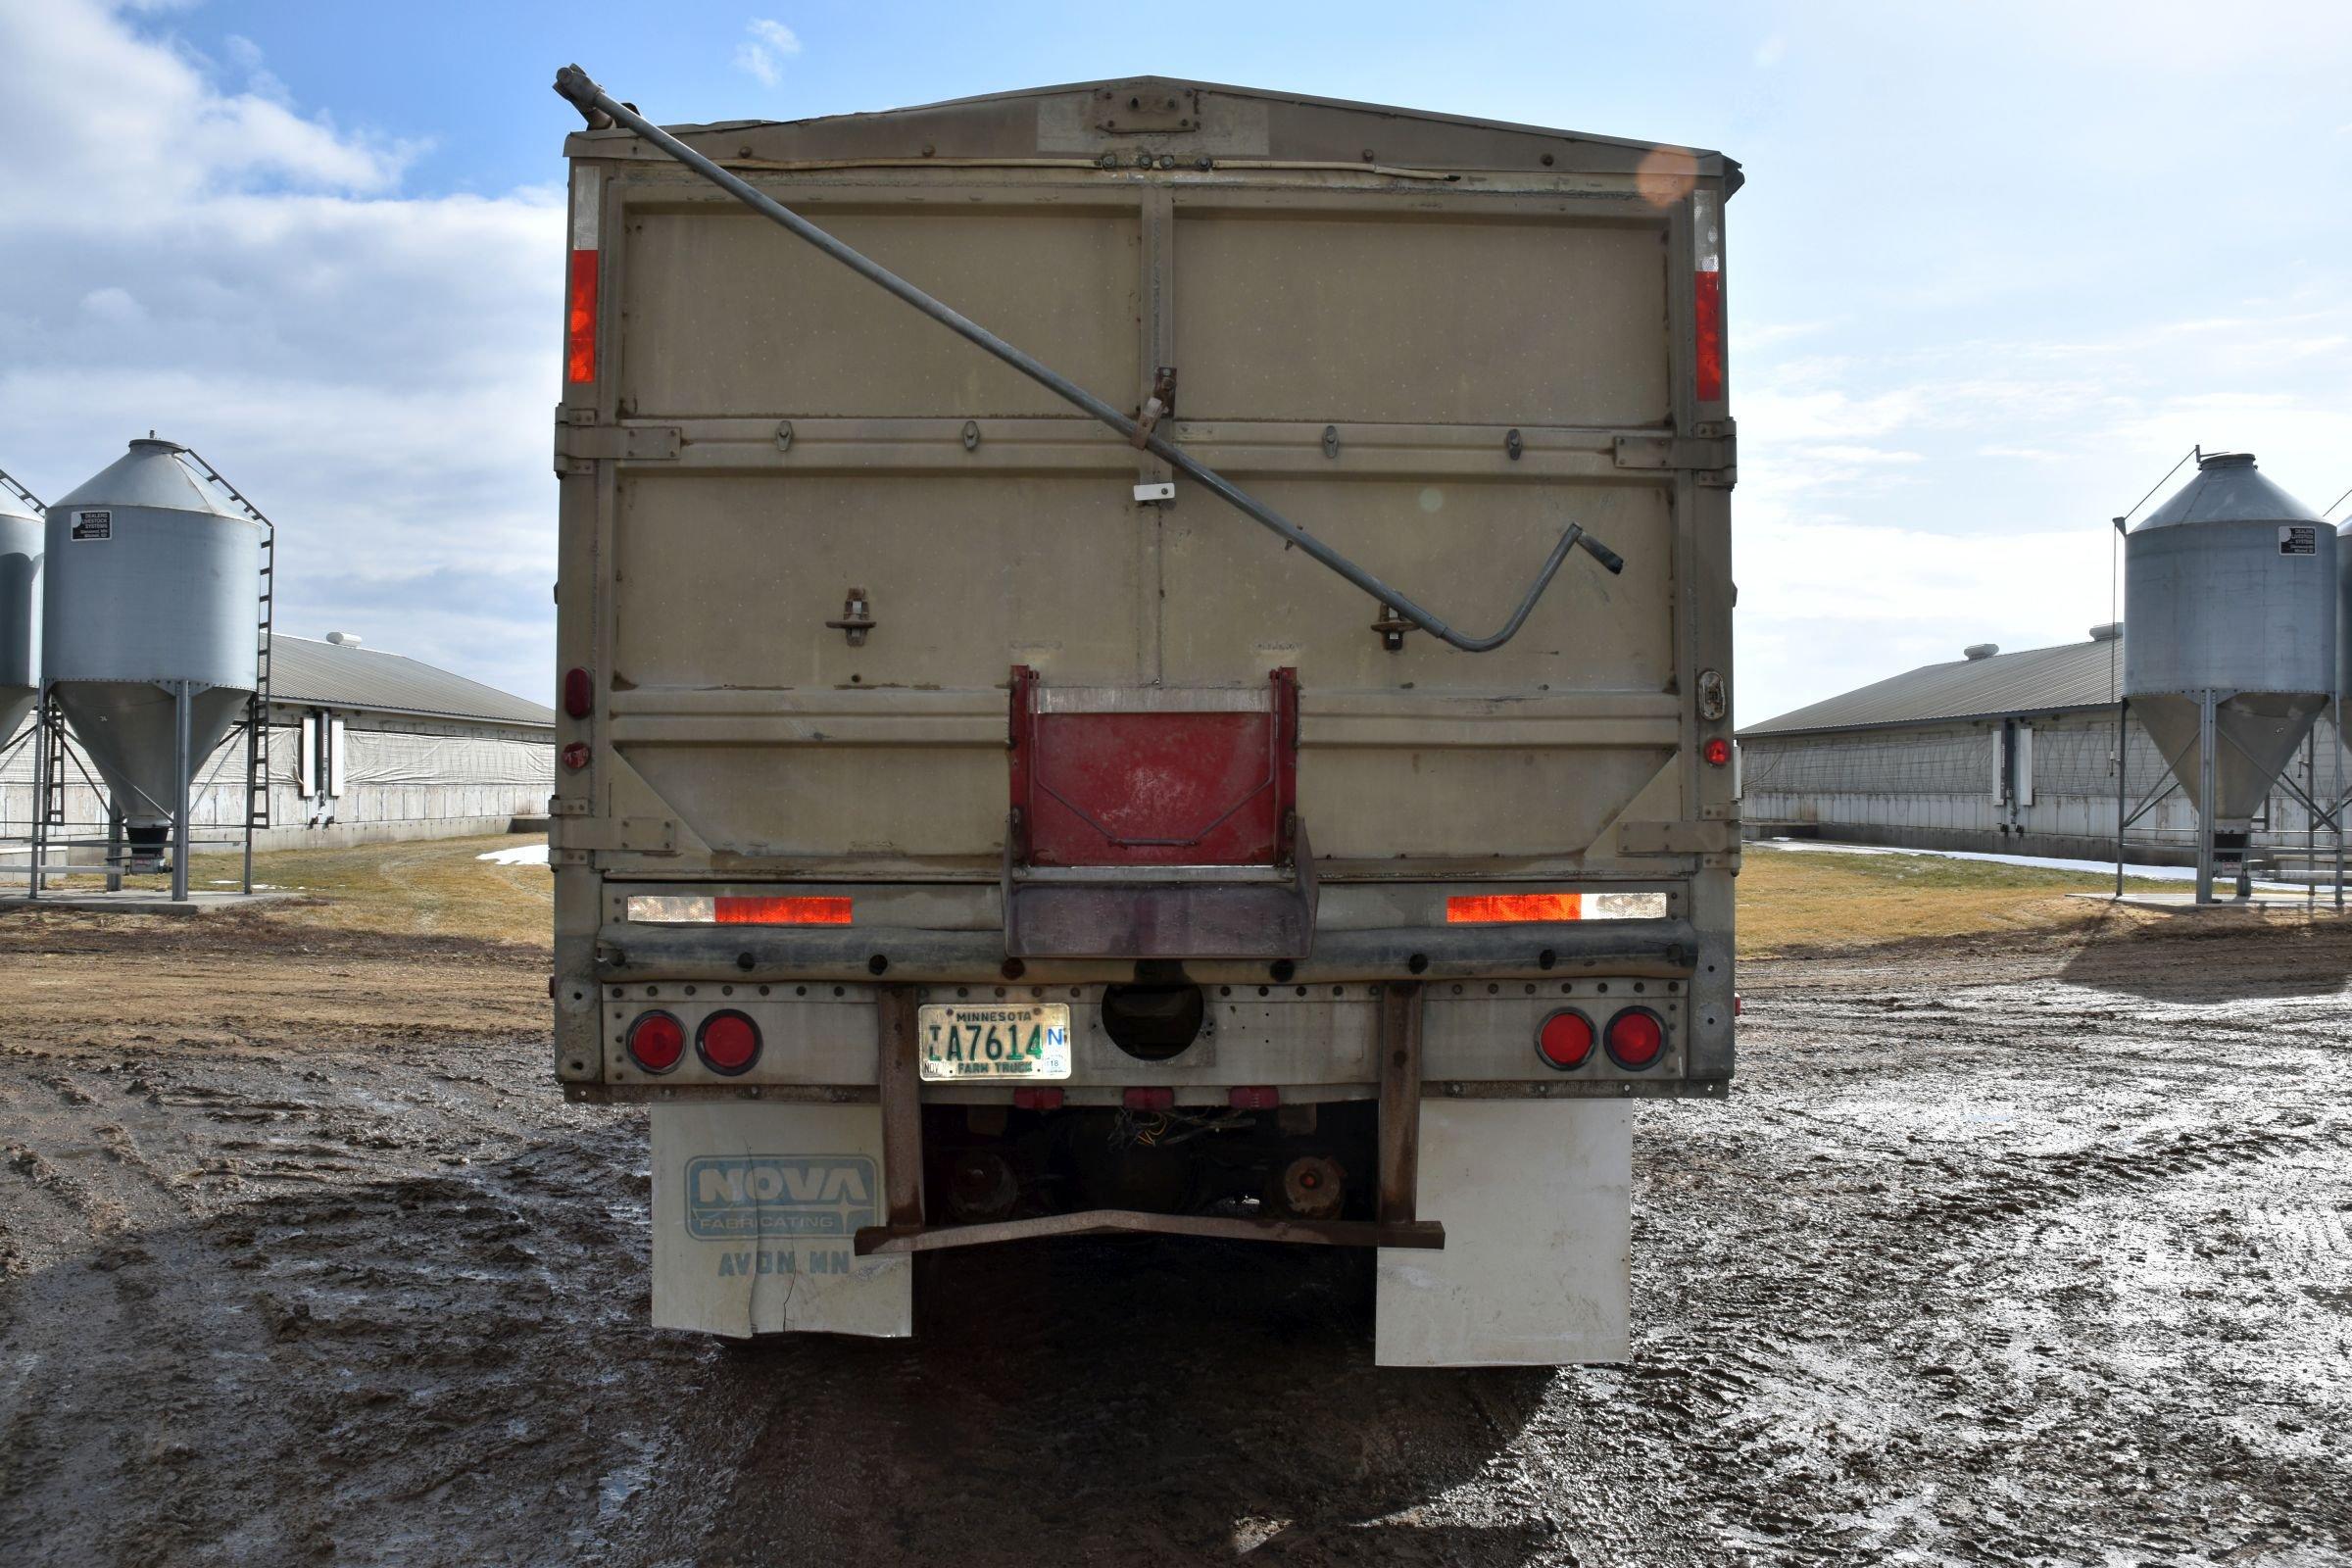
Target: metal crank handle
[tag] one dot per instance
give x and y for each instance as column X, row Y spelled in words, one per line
column 601, row 110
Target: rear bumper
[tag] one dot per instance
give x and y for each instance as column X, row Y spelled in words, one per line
column 1661, row 949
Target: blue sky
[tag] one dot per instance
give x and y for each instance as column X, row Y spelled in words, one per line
column 1998, row 265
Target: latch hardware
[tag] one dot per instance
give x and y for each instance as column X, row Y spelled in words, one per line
column 1160, row 405
column 856, row 619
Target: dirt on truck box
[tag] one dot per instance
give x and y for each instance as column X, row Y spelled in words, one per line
column 1034, row 758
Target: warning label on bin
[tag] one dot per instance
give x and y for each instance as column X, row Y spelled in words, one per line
column 93, row 525
column 2294, row 539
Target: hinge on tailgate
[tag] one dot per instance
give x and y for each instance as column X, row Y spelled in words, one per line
column 580, row 441
column 1713, row 453
column 638, row 835
column 1677, row 838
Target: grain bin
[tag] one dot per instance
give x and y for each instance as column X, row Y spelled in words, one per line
column 151, row 598
column 2343, row 612
column 2230, row 655
column 20, row 546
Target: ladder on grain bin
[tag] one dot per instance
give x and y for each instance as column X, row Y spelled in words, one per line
column 257, row 704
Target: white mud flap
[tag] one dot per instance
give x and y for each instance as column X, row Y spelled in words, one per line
column 1537, row 1200
column 754, row 1210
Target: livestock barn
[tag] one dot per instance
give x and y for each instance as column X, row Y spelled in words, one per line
column 2009, row 753
column 364, row 746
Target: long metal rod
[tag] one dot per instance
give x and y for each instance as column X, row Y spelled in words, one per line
column 2205, row 799
column 2311, row 817
column 2123, row 754
column 887, row 1240
column 184, row 764
column 253, row 741
column 38, row 837
column 600, row 108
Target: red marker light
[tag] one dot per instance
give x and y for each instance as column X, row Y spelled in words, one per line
column 579, row 321
column 1706, row 301
column 1565, row 1040
column 1717, row 751
column 579, row 693
column 728, row 1041
column 657, row 1040
column 731, row 908
column 1636, row 1039
column 1707, row 315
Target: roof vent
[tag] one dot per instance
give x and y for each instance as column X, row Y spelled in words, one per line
column 1976, row 650
column 2225, row 459
column 2107, row 633
column 343, row 639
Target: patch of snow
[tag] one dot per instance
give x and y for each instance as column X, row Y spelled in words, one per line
column 2159, row 873
column 519, row 855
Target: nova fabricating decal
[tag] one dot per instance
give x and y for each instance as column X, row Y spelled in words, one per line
column 736, row 1198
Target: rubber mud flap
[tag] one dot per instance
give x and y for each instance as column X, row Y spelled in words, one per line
column 753, row 1212
column 1537, row 1200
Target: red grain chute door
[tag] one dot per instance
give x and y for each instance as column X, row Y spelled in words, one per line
column 1124, row 775
column 1193, row 791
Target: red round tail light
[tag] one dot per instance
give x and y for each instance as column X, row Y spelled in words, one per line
column 657, row 1040
column 1565, row 1039
column 1636, row 1039
column 728, row 1041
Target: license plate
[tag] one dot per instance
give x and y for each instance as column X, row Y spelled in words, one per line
column 998, row 1040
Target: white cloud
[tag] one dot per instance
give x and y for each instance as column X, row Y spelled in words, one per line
column 114, row 306
column 374, row 368
column 260, row 79
column 777, row 36
column 771, row 41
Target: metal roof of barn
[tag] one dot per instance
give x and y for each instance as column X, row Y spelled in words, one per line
column 2036, row 680
column 1189, row 120
column 346, row 675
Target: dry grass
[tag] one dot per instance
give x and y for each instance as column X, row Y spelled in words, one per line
column 427, row 887
column 1795, row 899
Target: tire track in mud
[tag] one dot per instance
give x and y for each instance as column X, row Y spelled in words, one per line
column 335, row 1358
column 365, row 1304
column 2025, row 1183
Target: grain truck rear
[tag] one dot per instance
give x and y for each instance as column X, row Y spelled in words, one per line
column 1224, row 731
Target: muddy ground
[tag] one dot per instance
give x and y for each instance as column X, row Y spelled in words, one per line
column 2028, row 1249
